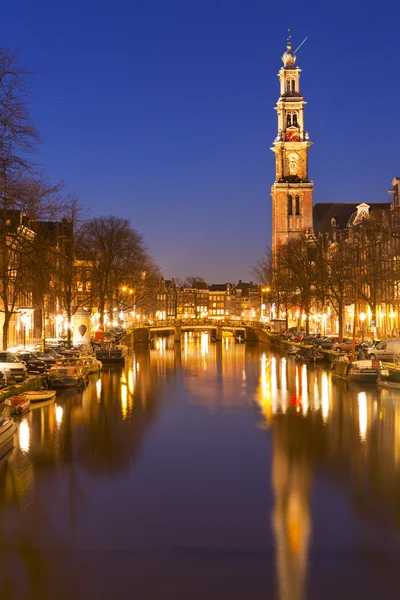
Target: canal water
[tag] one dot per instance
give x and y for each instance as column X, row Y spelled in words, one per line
column 212, row 471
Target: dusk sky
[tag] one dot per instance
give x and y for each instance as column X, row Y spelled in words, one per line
column 163, row 112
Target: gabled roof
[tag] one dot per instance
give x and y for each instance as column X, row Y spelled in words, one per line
column 199, row 285
column 219, row 287
column 342, row 212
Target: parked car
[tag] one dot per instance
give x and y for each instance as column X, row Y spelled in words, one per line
column 12, row 367
column 47, row 358
column 292, row 333
column 384, row 351
column 33, row 363
column 327, row 343
column 344, row 346
column 312, row 339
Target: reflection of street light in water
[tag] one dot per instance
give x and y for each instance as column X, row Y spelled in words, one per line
column 24, row 436
column 59, row 414
column 362, row 415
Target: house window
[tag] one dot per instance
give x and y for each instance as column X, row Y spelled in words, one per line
column 290, row 205
column 297, row 205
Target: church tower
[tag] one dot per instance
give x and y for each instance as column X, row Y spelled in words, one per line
column 292, row 191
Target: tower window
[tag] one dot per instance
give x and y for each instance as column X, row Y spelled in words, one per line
column 297, row 205
column 288, row 85
column 290, row 205
column 288, row 120
column 295, row 120
column 293, row 85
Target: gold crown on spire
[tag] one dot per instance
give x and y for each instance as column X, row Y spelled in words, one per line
column 289, row 57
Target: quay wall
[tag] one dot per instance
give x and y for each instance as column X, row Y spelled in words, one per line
column 32, row 382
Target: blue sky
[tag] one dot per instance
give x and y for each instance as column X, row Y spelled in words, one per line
column 163, row 112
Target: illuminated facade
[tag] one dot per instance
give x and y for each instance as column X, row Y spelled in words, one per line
column 292, row 191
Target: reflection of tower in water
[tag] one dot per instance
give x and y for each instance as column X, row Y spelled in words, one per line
column 291, row 479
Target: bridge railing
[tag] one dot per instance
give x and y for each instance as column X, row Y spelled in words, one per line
column 172, row 323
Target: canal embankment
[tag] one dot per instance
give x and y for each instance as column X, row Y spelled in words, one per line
column 277, row 342
column 32, row 382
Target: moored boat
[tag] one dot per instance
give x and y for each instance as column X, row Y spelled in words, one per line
column 7, row 429
column 389, row 375
column 292, row 350
column 361, row 371
column 40, row 395
column 309, row 354
column 64, row 377
column 18, row 405
column 91, row 364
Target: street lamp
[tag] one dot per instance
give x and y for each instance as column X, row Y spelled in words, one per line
column 362, row 319
column 264, row 290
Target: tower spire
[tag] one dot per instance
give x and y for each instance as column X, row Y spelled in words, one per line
column 289, row 37
column 289, row 57
column 292, row 190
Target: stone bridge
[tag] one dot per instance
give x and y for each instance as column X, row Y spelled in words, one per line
column 243, row 331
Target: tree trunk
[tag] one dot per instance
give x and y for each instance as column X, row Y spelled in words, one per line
column 373, row 316
column 102, row 304
column 307, row 321
column 69, row 332
column 340, row 319
column 6, row 325
column 43, row 330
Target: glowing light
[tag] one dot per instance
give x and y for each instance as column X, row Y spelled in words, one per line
column 204, row 344
column 124, row 401
column 316, row 395
column 59, row 414
column 283, row 374
column 363, row 316
column 131, row 382
column 325, row 397
column 304, row 390
column 98, row 389
column 24, row 436
column 362, row 415
column 226, row 344
column 265, row 388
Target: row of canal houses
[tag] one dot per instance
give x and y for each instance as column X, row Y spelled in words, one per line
column 239, row 301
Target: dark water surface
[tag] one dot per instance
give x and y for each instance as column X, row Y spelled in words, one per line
column 216, row 472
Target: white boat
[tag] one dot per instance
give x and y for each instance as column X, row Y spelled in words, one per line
column 7, row 429
column 40, row 395
column 91, row 364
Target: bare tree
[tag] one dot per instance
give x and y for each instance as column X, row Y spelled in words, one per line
column 335, row 273
column 271, row 273
column 297, row 265
column 71, row 266
column 122, row 270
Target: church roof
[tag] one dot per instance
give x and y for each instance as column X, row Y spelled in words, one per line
column 342, row 212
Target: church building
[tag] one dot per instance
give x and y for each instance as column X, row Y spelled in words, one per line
column 292, row 190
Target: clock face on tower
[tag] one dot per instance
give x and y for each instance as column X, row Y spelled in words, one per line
column 292, row 135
